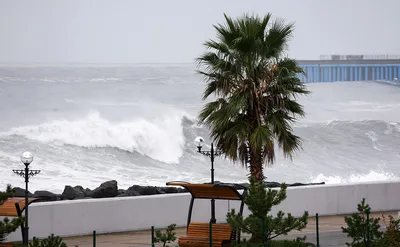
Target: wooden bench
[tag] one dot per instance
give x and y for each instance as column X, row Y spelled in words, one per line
column 6, row 244
column 198, row 235
column 13, row 207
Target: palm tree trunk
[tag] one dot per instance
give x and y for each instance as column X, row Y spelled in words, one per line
column 256, row 165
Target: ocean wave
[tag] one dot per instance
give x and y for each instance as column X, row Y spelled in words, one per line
column 337, row 122
column 161, row 139
column 393, row 82
column 372, row 176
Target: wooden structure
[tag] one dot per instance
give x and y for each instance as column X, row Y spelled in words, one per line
column 14, row 207
column 198, row 234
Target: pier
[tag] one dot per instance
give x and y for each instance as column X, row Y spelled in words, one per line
column 350, row 68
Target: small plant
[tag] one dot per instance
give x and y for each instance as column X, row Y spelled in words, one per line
column 51, row 241
column 363, row 232
column 391, row 237
column 8, row 226
column 166, row 237
column 262, row 226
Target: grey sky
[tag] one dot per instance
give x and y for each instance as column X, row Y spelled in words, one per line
column 128, row 31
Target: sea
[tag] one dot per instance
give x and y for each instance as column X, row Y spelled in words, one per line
column 87, row 124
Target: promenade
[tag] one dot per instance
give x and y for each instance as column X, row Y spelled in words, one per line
column 329, row 226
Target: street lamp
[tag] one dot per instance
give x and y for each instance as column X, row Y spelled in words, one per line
column 26, row 158
column 212, row 154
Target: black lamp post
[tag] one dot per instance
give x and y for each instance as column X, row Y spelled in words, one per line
column 212, row 154
column 26, row 158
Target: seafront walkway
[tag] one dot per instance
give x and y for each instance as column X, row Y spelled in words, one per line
column 329, row 228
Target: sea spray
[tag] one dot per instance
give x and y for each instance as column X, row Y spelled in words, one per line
column 161, row 139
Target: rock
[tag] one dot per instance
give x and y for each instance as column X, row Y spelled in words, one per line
column 272, row 184
column 87, row 191
column 110, row 189
column 296, row 184
column 45, row 195
column 19, row 192
column 105, row 190
column 169, row 190
column 241, row 185
column 146, row 190
column 301, row 184
column 129, row 193
column 182, row 190
column 71, row 193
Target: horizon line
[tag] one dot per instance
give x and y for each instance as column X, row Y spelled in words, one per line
column 47, row 64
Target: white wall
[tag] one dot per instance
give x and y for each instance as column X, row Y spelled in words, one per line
column 81, row 217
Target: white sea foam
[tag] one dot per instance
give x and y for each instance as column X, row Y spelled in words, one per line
column 372, row 176
column 161, row 139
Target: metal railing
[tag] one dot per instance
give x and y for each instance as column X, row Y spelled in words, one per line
column 313, row 234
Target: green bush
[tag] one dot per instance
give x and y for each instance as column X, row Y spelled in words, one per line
column 8, row 226
column 391, row 237
column 51, row 241
column 166, row 237
column 358, row 228
column 260, row 224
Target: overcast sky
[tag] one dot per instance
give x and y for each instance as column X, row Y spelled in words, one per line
column 148, row 31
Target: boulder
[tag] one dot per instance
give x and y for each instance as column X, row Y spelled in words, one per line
column 241, row 185
column 71, row 193
column 129, row 192
column 19, row 192
column 87, row 192
column 146, row 190
column 105, row 190
column 272, row 184
column 301, row 184
column 47, row 195
column 110, row 189
column 169, row 190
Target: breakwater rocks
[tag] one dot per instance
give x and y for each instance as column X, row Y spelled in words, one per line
column 110, row 189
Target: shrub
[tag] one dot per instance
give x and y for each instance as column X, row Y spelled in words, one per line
column 51, row 241
column 262, row 226
column 359, row 229
column 391, row 237
column 166, row 237
column 8, row 226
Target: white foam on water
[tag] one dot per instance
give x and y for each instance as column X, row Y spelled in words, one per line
column 372, row 176
column 161, row 139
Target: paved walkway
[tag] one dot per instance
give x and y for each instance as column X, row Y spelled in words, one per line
column 327, row 224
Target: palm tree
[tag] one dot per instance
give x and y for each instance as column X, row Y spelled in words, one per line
column 255, row 88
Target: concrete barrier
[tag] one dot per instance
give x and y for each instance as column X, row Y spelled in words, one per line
column 81, row 217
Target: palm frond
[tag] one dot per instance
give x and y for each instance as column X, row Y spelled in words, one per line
column 256, row 87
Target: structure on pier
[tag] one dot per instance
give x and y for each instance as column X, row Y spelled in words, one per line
column 351, row 68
